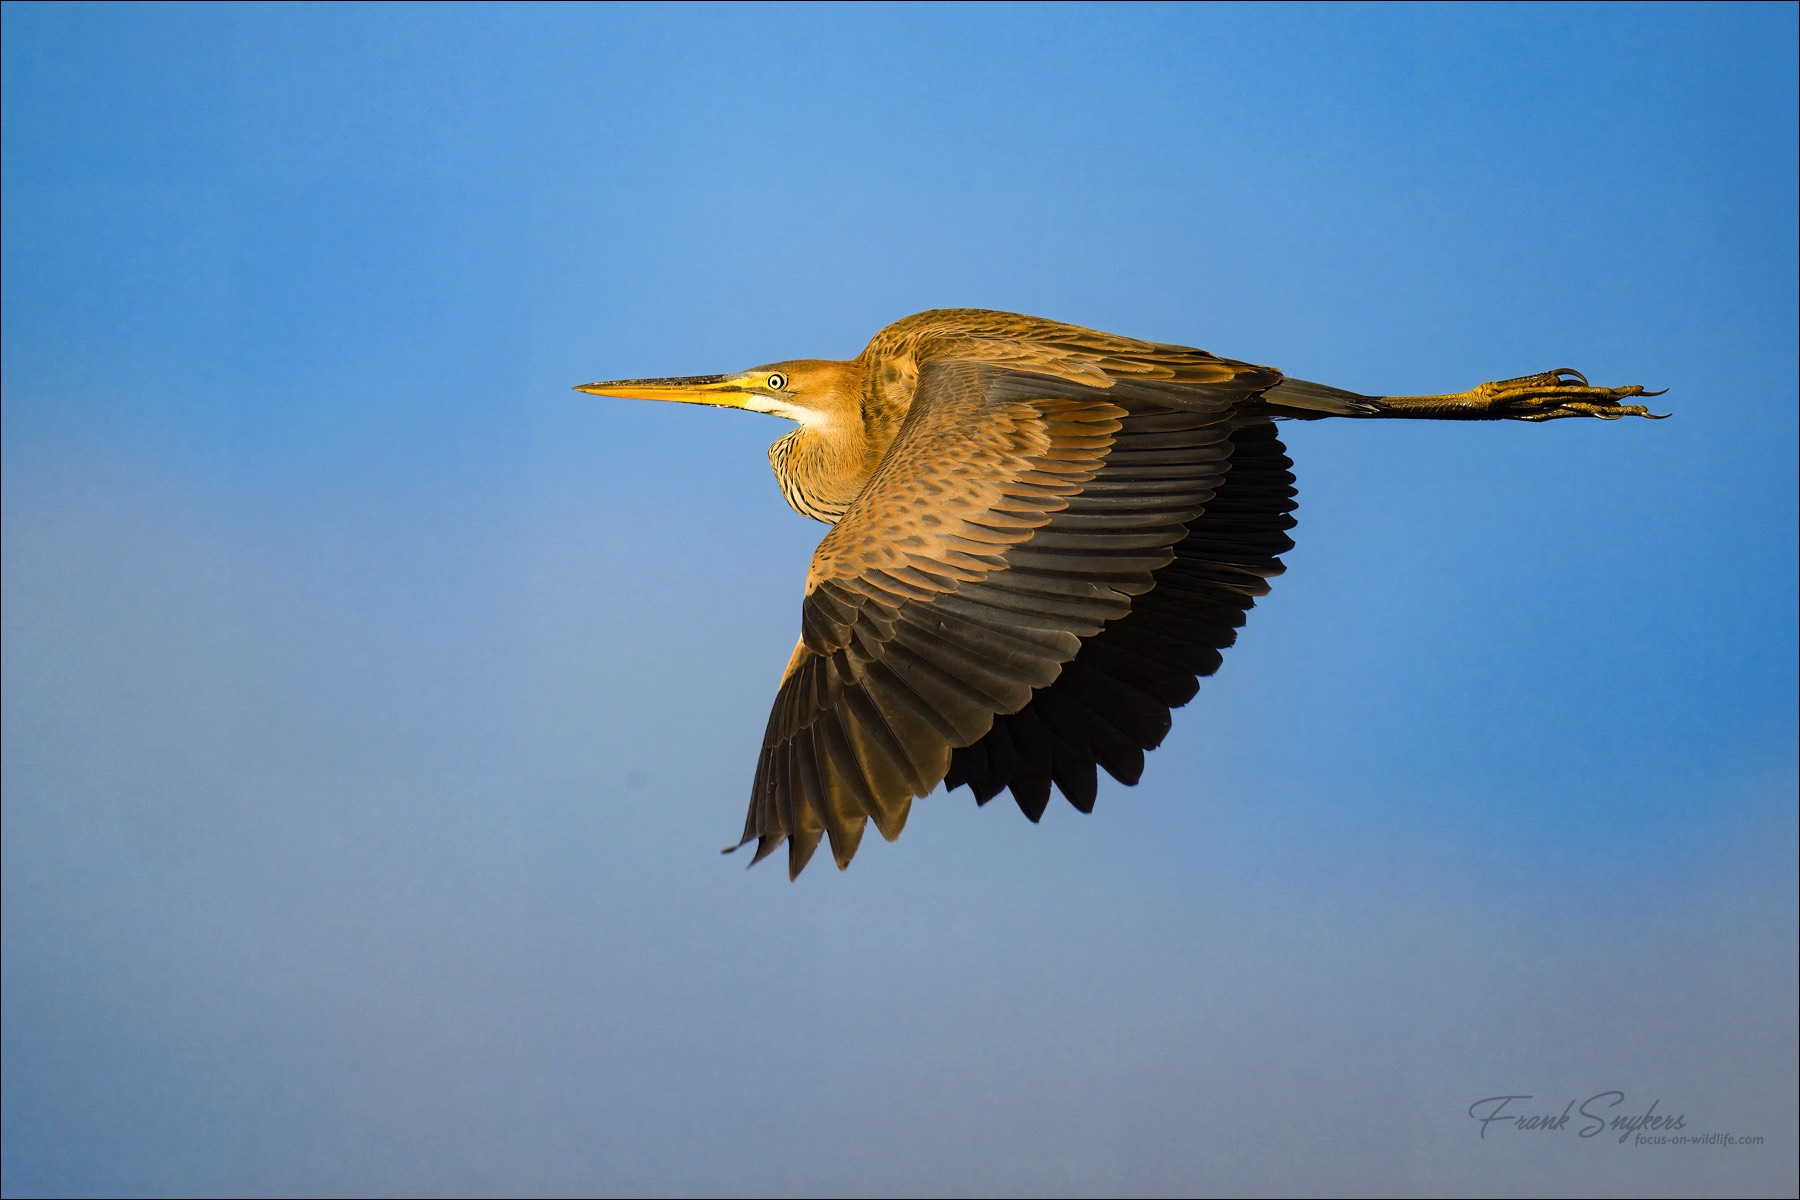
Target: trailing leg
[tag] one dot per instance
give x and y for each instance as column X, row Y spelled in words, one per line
column 1544, row 397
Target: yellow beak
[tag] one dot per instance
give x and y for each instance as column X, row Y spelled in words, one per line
column 722, row 391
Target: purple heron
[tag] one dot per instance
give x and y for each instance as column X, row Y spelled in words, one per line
column 1041, row 539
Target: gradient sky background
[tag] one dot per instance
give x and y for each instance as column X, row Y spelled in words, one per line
column 375, row 706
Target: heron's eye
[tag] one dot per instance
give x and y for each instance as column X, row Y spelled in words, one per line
column 777, row 382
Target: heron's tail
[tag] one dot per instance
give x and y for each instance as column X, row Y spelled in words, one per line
column 1309, row 401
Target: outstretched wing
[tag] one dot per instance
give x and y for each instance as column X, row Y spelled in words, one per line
column 1017, row 513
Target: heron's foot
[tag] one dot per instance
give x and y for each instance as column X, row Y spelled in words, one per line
column 1560, row 393
column 1543, row 397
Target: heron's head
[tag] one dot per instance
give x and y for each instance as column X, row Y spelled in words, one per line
column 808, row 390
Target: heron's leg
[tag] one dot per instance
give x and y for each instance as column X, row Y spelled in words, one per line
column 1543, row 397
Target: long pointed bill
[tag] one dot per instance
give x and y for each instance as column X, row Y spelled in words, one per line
column 722, row 391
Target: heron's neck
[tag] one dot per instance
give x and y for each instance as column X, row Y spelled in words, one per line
column 821, row 469
column 823, row 465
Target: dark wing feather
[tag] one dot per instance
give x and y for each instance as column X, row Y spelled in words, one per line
column 1015, row 514
column 1112, row 703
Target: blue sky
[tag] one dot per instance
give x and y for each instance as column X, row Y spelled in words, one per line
column 375, row 706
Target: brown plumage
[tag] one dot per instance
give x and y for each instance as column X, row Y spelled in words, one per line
column 1042, row 539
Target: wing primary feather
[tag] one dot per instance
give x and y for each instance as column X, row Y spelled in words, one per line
column 970, row 764
column 851, row 796
column 1031, row 792
column 1072, row 767
column 1002, row 761
column 801, row 847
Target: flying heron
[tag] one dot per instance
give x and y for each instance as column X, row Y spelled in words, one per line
column 1042, row 537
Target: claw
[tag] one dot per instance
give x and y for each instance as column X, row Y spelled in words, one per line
column 1565, row 392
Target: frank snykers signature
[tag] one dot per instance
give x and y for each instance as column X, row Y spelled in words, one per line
column 1592, row 1116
